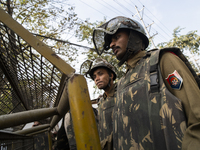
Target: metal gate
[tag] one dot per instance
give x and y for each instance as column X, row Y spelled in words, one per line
column 37, row 85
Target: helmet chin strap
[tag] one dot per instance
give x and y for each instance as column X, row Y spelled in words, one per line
column 108, row 85
column 135, row 44
column 125, row 57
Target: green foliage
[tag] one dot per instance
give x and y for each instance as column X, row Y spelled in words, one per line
column 49, row 18
column 56, row 18
column 53, row 19
column 7, row 104
column 87, row 30
column 190, row 41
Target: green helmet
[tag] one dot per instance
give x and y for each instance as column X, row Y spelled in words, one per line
column 99, row 63
column 88, row 67
column 100, row 40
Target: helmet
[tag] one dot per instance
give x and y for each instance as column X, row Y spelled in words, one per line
column 101, row 63
column 101, row 42
column 97, row 63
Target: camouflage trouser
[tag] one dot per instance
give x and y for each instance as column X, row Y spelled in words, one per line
column 41, row 141
column 107, row 144
column 62, row 141
column 69, row 131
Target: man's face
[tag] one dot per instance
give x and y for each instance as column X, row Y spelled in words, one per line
column 119, row 43
column 101, row 78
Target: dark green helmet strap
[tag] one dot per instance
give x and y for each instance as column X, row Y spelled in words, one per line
column 125, row 57
column 135, row 44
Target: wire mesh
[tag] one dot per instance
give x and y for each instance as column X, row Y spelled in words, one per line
column 17, row 144
column 27, row 79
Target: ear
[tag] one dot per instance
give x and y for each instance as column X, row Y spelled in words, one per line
column 112, row 76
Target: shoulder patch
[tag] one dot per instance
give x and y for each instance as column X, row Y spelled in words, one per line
column 175, row 80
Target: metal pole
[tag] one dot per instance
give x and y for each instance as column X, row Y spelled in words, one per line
column 145, row 27
column 38, row 45
column 84, row 123
column 50, row 140
column 33, row 129
column 63, row 107
column 19, row 118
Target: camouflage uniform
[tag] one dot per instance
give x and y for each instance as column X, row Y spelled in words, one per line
column 68, row 124
column 62, row 140
column 41, row 141
column 147, row 115
column 70, row 131
column 105, row 118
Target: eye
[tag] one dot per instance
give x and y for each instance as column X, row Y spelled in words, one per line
column 117, row 36
column 100, row 73
column 94, row 77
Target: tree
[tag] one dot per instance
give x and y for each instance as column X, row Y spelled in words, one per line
column 189, row 44
column 46, row 19
column 190, row 41
column 86, row 31
column 51, row 18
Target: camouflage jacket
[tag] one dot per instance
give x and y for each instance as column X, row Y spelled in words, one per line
column 147, row 116
column 105, row 117
column 41, row 141
column 69, row 129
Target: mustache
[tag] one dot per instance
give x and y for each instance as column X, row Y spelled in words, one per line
column 115, row 47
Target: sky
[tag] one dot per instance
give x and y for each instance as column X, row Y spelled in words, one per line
column 160, row 17
column 165, row 15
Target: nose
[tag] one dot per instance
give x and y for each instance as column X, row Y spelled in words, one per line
column 112, row 44
column 96, row 79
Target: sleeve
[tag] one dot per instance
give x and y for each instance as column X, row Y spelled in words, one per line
column 189, row 94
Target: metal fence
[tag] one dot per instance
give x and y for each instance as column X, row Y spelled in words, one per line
column 37, row 85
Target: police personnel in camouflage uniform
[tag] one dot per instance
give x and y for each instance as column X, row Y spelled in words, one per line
column 158, row 99
column 69, row 130
column 104, row 75
column 40, row 139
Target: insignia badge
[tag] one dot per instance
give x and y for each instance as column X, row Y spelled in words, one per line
column 175, row 80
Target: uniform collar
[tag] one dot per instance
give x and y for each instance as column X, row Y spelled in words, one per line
column 111, row 93
column 133, row 61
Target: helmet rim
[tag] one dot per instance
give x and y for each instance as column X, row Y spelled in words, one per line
column 102, row 65
column 121, row 23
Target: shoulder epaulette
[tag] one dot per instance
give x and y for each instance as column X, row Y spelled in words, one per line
column 155, row 55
